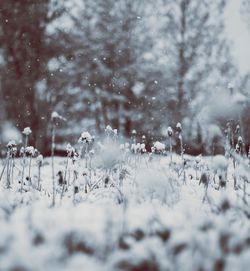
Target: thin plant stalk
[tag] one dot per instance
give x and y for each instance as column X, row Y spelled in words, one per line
column 30, row 166
column 171, row 149
column 24, row 160
column 12, row 169
column 39, row 177
column 66, row 170
column 52, row 161
column 65, row 177
column 182, row 149
column 86, row 156
column 3, row 169
column 8, row 169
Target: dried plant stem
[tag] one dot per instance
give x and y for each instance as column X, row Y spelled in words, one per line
column 8, row 170
column 30, row 167
column 24, row 160
column 182, row 149
column 171, row 150
column 39, row 177
column 65, row 177
column 12, row 169
column 3, row 169
column 52, row 162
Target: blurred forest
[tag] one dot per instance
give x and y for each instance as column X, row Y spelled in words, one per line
column 131, row 64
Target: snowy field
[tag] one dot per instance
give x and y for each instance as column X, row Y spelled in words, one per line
column 117, row 209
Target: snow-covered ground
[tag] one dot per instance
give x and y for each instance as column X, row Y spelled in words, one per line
column 130, row 212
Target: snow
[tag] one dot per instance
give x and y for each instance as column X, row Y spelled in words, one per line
column 27, row 131
column 156, row 218
column 159, row 146
column 85, row 137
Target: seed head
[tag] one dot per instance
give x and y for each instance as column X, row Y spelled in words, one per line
column 178, row 127
column 170, row 131
column 27, row 131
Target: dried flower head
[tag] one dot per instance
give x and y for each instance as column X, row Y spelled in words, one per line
column 27, row 131
column 240, row 141
column 134, row 132
column 135, row 148
column 69, row 149
column 30, row 150
column 170, row 131
column 108, row 129
column 11, row 144
column 55, row 115
column 237, row 129
column 178, row 127
column 85, row 138
column 237, row 148
column 159, row 147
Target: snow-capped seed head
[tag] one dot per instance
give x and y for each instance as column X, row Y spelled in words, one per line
column 75, row 156
column 30, row 150
column 178, row 127
column 14, row 150
column 198, row 159
column 39, row 159
column 237, row 148
column 11, row 144
column 240, row 141
column 69, row 148
column 143, row 137
column 115, row 131
column 22, row 150
column 85, row 138
column 55, row 115
column 158, row 146
column 237, row 129
column 170, row 131
column 134, row 132
column 27, row 131
column 108, row 129
column 136, row 147
column 143, row 148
